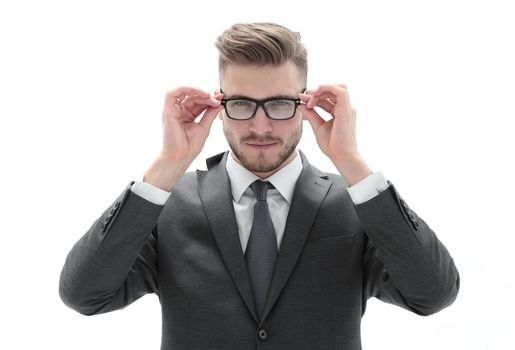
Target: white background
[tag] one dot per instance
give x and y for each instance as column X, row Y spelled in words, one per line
column 81, row 92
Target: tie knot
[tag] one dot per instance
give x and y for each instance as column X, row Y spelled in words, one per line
column 259, row 188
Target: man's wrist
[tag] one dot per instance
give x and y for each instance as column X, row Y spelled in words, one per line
column 164, row 173
column 353, row 169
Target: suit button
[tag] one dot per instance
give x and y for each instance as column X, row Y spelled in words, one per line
column 412, row 218
column 116, row 205
column 262, row 334
column 404, row 204
column 416, row 224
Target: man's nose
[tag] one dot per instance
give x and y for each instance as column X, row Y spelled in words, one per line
column 260, row 123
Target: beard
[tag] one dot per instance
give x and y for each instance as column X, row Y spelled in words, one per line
column 262, row 164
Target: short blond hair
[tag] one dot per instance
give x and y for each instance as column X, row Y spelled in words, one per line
column 261, row 43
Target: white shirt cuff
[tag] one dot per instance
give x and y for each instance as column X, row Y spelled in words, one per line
column 368, row 188
column 150, row 193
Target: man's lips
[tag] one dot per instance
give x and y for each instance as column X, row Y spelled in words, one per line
column 261, row 145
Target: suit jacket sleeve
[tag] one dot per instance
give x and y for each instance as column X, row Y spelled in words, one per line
column 404, row 263
column 114, row 262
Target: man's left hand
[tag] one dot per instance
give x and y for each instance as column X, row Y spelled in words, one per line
column 335, row 137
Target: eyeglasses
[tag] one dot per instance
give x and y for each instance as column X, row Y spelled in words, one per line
column 276, row 108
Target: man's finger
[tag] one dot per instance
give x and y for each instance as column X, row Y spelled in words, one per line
column 314, row 119
column 209, row 116
column 190, row 91
column 190, row 102
column 338, row 91
column 327, row 96
column 313, row 101
column 200, row 104
column 326, row 105
column 178, row 94
column 334, row 88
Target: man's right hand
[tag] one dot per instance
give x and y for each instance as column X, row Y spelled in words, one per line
column 183, row 139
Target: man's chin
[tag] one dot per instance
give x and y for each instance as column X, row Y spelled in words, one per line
column 260, row 166
column 259, row 162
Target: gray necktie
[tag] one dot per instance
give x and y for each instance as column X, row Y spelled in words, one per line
column 261, row 252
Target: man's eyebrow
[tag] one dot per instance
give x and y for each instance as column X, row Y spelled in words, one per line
column 275, row 96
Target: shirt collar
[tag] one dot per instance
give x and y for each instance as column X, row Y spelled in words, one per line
column 241, row 177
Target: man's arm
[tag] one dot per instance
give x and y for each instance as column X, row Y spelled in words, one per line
column 378, row 281
column 404, row 263
column 114, row 263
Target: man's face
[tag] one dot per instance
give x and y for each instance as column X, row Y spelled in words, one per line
column 260, row 144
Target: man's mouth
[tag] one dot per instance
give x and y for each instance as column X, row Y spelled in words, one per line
column 261, row 145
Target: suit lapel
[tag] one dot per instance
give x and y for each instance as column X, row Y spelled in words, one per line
column 215, row 194
column 310, row 190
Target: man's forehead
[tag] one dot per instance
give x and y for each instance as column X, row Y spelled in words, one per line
column 260, row 90
column 260, row 82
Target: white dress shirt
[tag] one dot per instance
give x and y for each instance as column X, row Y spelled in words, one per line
column 278, row 199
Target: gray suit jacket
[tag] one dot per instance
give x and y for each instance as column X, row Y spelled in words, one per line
column 333, row 257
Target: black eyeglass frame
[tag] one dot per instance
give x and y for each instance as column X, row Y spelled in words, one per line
column 258, row 103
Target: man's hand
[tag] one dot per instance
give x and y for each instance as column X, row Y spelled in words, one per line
column 183, row 138
column 337, row 136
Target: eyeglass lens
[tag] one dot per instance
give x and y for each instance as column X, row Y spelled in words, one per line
column 276, row 109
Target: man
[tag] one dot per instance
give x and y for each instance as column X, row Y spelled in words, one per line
column 238, row 263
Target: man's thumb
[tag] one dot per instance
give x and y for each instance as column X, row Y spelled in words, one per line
column 209, row 116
